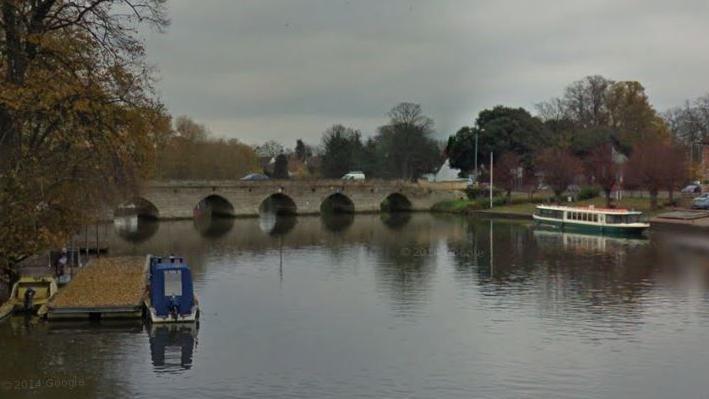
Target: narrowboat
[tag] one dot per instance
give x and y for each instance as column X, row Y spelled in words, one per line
column 590, row 219
column 28, row 294
column 171, row 297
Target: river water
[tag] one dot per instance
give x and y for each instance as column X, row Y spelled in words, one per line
column 389, row 306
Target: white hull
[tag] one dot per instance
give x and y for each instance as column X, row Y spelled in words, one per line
column 188, row 318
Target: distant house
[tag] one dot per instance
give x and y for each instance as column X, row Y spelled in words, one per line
column 267, row 163
column 444, row 173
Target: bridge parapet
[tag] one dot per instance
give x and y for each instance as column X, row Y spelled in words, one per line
column 179, row 199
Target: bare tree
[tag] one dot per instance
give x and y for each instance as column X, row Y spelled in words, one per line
column 586, row 101
column 689, row 123
column 506, row 171
column 602, row 169
column 656, row 165
column 560, row 168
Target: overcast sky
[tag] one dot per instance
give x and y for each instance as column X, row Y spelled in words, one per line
column 288, row 69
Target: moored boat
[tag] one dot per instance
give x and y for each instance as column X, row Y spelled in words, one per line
column 171, row 297
column 28, row 294
column 590, row 219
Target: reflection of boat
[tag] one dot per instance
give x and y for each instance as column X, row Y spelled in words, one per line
column 172, row 346
column 590, row 219
column 28, row 294
column 171, row 297
column 585, row 242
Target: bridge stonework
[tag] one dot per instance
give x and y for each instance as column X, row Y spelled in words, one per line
column 178, row 199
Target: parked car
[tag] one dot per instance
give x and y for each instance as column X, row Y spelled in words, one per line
column 701, row 202
column 356, row 175
column 692, row 189
column 255, row 177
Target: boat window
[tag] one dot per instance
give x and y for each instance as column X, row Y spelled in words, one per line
column 551, row 213
column 616, row 219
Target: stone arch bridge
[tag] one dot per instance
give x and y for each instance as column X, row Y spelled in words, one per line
column 186, row 199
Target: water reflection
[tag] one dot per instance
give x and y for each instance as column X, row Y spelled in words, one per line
column 172, row 346
column 337, row 222
column 135, row 229
column 210, row 226
column 585, row 242
column 66, row 360
column 476, row 305
column 275, row 225
column 395, row 220
column 405, row 270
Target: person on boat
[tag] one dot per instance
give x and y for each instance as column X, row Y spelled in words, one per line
column 29, row 296
column 60, row 264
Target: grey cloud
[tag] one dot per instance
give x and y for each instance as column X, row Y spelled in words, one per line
column 259, row 70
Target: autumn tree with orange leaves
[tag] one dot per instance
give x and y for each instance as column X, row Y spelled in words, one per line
column 78, row 118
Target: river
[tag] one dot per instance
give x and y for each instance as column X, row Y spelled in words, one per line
column 389, row 306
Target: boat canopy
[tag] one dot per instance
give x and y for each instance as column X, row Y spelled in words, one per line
column 590, row 209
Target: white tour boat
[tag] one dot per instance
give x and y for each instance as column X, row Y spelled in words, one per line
column 591, row 219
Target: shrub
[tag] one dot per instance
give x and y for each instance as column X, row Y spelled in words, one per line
column 481, row 192
column 456, row 206
column 588, row 192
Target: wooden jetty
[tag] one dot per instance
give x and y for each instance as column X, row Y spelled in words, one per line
column 106, row 288
column 682, row 220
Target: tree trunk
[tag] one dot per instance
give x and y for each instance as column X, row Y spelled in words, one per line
column 12, row 279
column 558, row 194
column 671, row 196
column 608, row 198
column 653, row 199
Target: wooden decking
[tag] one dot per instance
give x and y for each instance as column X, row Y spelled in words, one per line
column 686, row 220
column 112, row 287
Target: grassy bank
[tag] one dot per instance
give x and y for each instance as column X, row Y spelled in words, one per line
column 524, row 207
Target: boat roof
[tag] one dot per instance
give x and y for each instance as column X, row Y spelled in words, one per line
column 591, row 209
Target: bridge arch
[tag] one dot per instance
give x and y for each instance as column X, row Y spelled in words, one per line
column 278, row 204
column 139, row 207
column 396, row 202
column 337, row 203
column 214, row 206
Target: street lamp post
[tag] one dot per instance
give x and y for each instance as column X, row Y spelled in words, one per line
column 476, row 156
column 491, row 162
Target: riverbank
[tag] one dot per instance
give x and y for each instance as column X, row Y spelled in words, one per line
column 522, row 208
column 694, row 221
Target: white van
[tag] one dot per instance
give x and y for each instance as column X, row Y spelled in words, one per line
column 356, row 175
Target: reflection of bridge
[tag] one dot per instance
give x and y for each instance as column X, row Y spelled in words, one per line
column 184, row 199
